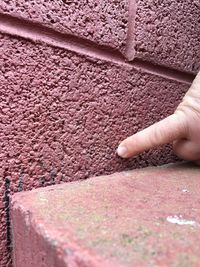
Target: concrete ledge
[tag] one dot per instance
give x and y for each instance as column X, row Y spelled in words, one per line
column 147, row 217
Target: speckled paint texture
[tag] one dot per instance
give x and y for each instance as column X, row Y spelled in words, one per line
column 69, row 95
column 118, row 220
column 163, row 32
column 168, row 32
column 103, row 22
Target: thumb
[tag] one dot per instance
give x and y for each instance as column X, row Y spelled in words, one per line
column 160, row 133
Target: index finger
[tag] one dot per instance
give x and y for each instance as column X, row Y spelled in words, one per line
column 160, row 133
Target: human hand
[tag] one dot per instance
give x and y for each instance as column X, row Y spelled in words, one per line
column 182, row 129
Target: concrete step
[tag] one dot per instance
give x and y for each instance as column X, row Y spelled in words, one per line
column 140, row 218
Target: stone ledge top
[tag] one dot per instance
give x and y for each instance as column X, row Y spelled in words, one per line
column 146, row 217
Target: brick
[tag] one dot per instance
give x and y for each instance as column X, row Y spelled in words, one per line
column 136, row 218
column 63, row 115
column 103, row 22
column 168, row 33
column 164, row 33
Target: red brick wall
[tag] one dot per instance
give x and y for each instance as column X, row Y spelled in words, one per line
column 77, row 77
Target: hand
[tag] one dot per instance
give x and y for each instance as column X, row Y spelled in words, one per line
column 182, row 128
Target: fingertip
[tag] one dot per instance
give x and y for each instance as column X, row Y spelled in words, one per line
column 122, row 151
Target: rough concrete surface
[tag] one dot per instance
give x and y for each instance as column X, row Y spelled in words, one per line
column 103, row 22
column 63, row 115
column 139, row 218
column 162, row 32
column 168, row 32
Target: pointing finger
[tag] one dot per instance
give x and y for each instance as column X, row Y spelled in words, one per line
column 163, row 132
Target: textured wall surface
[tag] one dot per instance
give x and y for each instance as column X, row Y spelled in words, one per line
column 66, row 101
column 103, row 22
column 168, row 32
column 163, row 32
column 91, row 223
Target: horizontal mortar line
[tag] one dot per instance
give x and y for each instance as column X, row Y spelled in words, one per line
column 164, row 71
column 39, row 33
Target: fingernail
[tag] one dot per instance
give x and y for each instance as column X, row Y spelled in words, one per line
column 122, row 151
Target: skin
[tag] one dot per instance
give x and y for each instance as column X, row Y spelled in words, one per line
column 181, row 128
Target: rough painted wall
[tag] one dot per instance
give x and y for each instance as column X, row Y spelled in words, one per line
column 168, row 33
column 164, row 32
column 76, row 78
